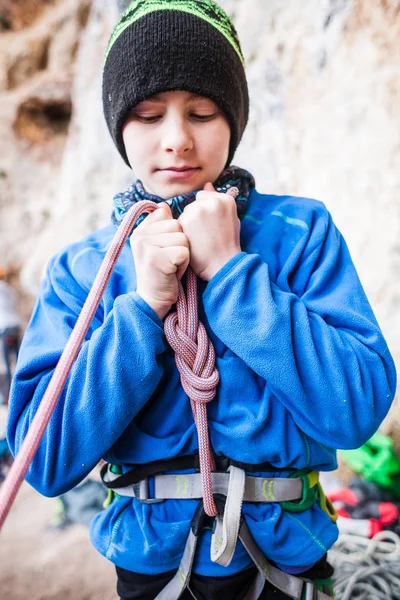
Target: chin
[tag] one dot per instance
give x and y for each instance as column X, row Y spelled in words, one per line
column 171, row 191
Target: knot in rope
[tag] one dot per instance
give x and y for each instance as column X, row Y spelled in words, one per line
column 194, row 353
column 195, row 360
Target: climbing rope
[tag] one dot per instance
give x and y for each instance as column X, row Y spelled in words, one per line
column 195, row 360
column 366, row 569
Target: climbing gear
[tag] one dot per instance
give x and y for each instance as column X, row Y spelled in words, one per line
column 294, row 586
column 376, row 462
column 195, row 359
column 365, row 509
column 303, row 489
column 366, row 569
column 302, row 485
column 195, row 362
column 230, row 488
column 134, row 585
column 39, row 423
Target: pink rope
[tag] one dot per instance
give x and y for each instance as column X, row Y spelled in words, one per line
column 36, row 431
column 195, row 359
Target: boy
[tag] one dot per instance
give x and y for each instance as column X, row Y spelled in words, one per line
column 303, row 366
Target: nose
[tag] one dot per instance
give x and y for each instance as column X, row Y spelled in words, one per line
column 177, row 136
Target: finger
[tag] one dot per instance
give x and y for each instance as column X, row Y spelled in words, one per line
column 205, row 195
column 160, row 214
column 182, row 268
column 166, row 240
column 209, row 187
column 166, row 226
column 174, row 259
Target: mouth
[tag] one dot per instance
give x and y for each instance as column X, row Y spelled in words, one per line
column 180, row 169
column 179, row 172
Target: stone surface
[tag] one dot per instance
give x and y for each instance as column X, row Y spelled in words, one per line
column 325, row 122
column 18, row 14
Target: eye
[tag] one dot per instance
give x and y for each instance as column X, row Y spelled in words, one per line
column 144, row 119
column 203, row 117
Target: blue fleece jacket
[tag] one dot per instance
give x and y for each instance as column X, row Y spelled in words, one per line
column 303, row 365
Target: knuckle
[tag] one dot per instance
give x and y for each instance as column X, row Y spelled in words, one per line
column 200, row 196
column 176, row 226
column 183, row 239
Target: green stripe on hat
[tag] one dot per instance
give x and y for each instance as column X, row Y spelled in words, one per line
column 207, row 10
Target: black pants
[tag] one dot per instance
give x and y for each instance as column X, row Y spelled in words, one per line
column 134, row 586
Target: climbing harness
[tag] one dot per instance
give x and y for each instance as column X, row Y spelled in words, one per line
column 295, row 587
column 231, row 488
column 195, row 360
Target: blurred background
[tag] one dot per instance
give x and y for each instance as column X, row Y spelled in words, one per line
column 324, row 78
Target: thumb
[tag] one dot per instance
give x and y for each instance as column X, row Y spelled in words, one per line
column 164, row 211
column 209, row 187
column 161, row 213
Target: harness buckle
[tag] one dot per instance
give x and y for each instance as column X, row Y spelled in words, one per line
column 309, row 591
column 142, row 492
column 222, row 463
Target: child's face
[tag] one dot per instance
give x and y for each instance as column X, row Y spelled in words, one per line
column 175, row 130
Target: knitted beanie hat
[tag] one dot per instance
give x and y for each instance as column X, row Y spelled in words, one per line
column 165, row 45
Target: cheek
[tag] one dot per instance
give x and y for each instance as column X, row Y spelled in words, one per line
column 219, row 144
column 221, row 138
column 136, row 145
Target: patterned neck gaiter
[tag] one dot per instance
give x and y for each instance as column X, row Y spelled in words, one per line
column 230, row 177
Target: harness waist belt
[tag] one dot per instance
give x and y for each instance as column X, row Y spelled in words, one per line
column 188, row 461
column 188, row 486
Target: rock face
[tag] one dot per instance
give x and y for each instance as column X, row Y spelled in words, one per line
column 324, row 80
column 38, row 51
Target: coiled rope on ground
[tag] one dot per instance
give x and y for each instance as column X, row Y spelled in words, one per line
column 366, row 569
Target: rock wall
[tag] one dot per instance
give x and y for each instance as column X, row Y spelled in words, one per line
column 38, row 47
column 324, row 79
column 325, row 123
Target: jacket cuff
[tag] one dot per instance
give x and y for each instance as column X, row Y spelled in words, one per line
column 145, row 308
column 223, row 272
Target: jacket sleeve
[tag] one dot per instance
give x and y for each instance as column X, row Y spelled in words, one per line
column 311, row 335
column 116, row 372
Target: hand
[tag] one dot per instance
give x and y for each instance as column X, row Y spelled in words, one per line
column 161, row 253
column 212, row 227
